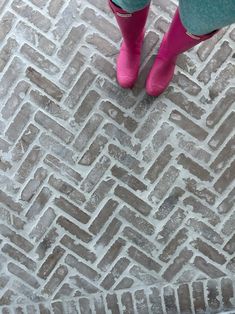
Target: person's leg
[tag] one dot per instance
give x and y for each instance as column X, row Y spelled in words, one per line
column 132, row 28
column 175, row 41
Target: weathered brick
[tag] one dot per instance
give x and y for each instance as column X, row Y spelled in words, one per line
column 112, row 303
column 88, row 131
column 71, row 42
column 84, row 82
column 200, row 190
column 198, row 297
column 159, row 164
column 132, row 200
column 15, row 238
column 115, row 273
column 140, row 241
column 43, row 224
column 184, row 299
column 222, row 81
column 101, row 24
column 208, row 251
column 178, row 263
column 141, row 301
column 55, row 280
column 11, row 75
column 103, row 66
column 206, row 47
column 33, row 16
column 67, row 172
column 109, row 233
column 124, row 158
column 6, row 52
column 72, row 70
column 193, row 148
column 111, row 254
column 78, row 249
column 127, row 302
column 99, row 194
column 23, row 144
column 164, row 184
column 43, row 83
column 225, row 179
column 121, row 136
column 55, row 147
column 188, row 125
column 137, row 221
column 35, row 38
column 93, row 151
column 173, row 245
column 169, row 203
column 228, row 227
column 95, row 174
column 23, row 275
column 215, row 62
column 230, row 245
column 213, row 295
column 72, row 210
column 227, row 292
column 19, row 257
column 155, row 301
column 172, row 224
column 105, row 47
column 206, row 231
column 37, row 59
column 170, row 300
column 74, row 229
column 207, row 268
column 34, row 184
column 6, row 24
column 224, row 156
column 51, row 261
column 82, row 268
column 68, row 17
column 51, row 125
column 133, row 182
column 69, row 191
column 118, row 115
column 194, row 168
column 103, row 216
column 54, row 7
column 86, row 106
column 221, row 108
column 112, row 91
column 48, row 240
column 10, row 203
column 188, row 106
column 143, row 259
column 39, row 203
column 204, row 211
column 142, row 275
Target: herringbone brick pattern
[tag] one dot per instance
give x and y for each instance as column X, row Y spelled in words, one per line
column 112, row 201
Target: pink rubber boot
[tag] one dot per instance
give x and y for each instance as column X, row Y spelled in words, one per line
column 132, row 29
column 175, row 41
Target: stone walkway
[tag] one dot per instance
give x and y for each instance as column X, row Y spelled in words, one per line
column 112, row 201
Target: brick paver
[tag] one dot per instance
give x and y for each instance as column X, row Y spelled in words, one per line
column 112, row 201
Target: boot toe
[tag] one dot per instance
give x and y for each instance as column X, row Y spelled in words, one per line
column 126, row 81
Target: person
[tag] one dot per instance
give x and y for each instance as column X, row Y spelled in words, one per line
column 193, row 22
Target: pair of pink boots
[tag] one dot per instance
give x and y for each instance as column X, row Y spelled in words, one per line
column 174, row 42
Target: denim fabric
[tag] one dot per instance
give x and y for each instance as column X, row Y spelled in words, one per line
column 198, row 16
column 131, row 5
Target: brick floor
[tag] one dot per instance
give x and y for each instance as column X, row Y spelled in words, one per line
column 112, row 201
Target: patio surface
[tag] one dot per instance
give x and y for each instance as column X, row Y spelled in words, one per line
column 112, row 201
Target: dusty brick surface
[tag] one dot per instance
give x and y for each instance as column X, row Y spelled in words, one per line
column 112, row 201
